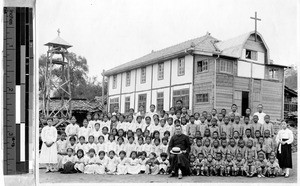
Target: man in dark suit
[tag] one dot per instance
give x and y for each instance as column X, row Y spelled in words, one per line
column 179, row 149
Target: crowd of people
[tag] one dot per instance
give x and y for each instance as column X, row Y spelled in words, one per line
column 175, row 143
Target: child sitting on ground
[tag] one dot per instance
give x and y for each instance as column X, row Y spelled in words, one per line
column 164, row 163
column 152, row 164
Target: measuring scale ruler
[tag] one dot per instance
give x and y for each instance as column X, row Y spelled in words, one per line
column 18, row 88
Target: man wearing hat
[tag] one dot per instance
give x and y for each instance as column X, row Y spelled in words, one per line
column 179, row 149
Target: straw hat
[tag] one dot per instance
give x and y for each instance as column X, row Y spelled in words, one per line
column 175, row 150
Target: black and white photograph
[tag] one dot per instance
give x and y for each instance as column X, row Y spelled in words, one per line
column 152, row 91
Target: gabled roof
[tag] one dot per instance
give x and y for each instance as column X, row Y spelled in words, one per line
column 58, row 41
column 234, row 47
column 204, row 43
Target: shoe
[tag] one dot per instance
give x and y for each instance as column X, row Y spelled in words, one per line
column 259, row 176
column 48, row 171
column 263, row 176
column 172, row 174
column 180, row 176
column 286, row 175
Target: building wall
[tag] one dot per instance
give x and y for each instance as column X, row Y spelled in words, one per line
column 147, row 85
column 271, row 98
column 203, row 83
column 113, row 91
column 166, row 92
column 130, row 88
column 167, row 71
column 187, row 77
column 148, row 93
column 123, row 96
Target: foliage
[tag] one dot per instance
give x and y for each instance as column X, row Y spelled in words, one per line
column 81, row 85
column 291, row 77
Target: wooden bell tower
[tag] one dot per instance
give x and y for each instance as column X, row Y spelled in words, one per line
column 58, row 62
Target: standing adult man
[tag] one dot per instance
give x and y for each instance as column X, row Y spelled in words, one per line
column 178, row 106
column 261, row 115
column 179, row 149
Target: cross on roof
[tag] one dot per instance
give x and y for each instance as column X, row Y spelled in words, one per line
column 58, row 32
column 255, row 19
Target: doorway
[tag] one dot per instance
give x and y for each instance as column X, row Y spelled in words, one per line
column 245, row 102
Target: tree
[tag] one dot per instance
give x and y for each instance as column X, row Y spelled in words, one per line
column 291, row 77
column 81, row 85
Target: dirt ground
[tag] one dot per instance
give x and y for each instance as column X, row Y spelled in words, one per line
column 77, row 178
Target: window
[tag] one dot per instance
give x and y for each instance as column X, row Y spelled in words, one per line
column 114, row 102
column 127, row 104
column 184, row 95
column 202, row 66
column 143, row 75
column 226, row 66
column 201, row 98
column 160, row 72
column 160, row 101
column 250, row 54
column 273, row 73
column 127, row 79
column 114, row 81
column 142, row 100
column 181, row 67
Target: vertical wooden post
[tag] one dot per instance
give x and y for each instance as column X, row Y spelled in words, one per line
column 102, row 96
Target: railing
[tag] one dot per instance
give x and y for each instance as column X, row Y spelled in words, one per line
column 290, row 107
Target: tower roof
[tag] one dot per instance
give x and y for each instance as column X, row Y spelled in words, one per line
column 58, row 41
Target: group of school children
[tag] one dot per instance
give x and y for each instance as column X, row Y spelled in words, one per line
column 222, row 144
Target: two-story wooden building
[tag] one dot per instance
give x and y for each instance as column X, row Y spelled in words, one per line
column 204, row 73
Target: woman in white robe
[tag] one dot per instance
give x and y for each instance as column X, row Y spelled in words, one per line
column 48, row 154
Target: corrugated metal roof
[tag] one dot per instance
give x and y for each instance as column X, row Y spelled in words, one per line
column 204, row 43
column 59, row 42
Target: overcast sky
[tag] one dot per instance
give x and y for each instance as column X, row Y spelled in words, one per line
column 111, row 32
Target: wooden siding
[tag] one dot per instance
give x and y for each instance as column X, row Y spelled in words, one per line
column 280, row 73
column 271, row 98
column 241, row 83
column 203, row 83
column 256, row 46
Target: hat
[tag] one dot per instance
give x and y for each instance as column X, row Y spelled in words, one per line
column 175, row 150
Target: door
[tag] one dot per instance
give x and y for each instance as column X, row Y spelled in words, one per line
column 245, row 102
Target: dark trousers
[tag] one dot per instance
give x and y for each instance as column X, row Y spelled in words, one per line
column 179, row 161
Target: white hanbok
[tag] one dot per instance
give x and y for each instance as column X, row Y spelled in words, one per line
column 102, row 164
column 120, row 148
column 101, row 147
column 164, row 148
column 49, row 154
column 81, row 146
column 143, row 164
column 91, row 165
column 111, row 146
column 80, row 163
column 68, row 159
column 84, row 131
column 163, row 164
column 96, row 135
column 133, row 166
column 91, row 146
column 122, row 166
column 112, row 164
column 147, row 148
column 129, row 148
column 71, row 130
column 122, row 125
